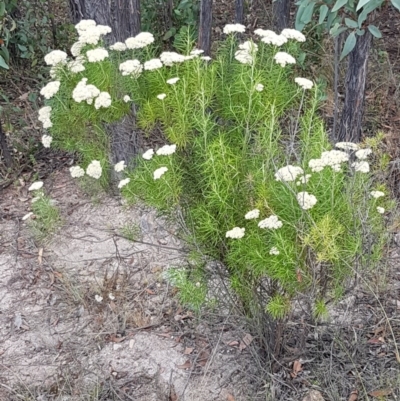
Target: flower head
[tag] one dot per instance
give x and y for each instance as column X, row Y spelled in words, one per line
column 55, row 57
column 94, row 169
column 362, row 154
column 235, row 233
column 96, row 55
column 126, row 99
column 244, row 57
column 274, row 251
column 103, row 100
column 166, row 150
column 196, row 52
column 348, row 146
column 248, row 46
column 44, row 116
column 380, row 210
column 76, row 171
column 148, row 154
column 159, row 172
column 288, row 173
column 84, row 92
column 271, row 38
column 253, row 214
column 171, row 58
column 76, row 48
column 304, row 83
column 46, row 140
column 76, row 66
column 377, row 194
column 153, row 64
column 303, row 179
column 120, row 166
column 283, row 58
column 131, row 67
column 361, row 167
column 172, row 81
column 161, row 96
column 306, row 200
column 259, row 87
column 141, row 40
column 272, row 222
column 293, row 34
column 231, row 28
column 118, row 46
column 123, row 182
column 50, row 89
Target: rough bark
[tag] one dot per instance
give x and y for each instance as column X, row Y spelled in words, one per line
column 353, row 109
column 123, row 16
column 239, row 11
column 204, row 41
column 281, row 14
column 4, row 148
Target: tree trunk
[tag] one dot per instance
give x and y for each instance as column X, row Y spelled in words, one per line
column 353, row 109
column 204, row 41
column 123, row 16
column 281, row 14
column 239, row 12
column 4, row 148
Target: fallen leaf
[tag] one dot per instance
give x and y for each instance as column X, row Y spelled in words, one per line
column 233, row 343
column 230, row 397
column 297, row 368
column 188, row 351
column 113, row 338
column 186, row 365
column 247, row 339
column 353, row 396
column 150, row 292
column 381, row 393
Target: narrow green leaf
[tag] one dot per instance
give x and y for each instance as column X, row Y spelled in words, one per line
column 3, row 64
column 299, row 25
column 348, row 45
column 350, row 23
column 6, row 55
column 361, row 4
column 375, row 31
column 323, row 12
column 308, row 13
column 2, row 8
column 396, row 4
column 339, row 4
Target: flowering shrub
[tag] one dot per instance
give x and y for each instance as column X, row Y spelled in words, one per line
column 277, row 207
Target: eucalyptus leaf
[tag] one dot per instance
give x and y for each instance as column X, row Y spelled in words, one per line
column 349, row 45
column 339, row 4
column 323, row 12
column 351, row 23
column 308, row 13
column 3, row 64
column 396, row 4
column 361, row 4
column 375, row 31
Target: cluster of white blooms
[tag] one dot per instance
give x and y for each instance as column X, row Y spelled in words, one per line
column 94, row 169
column 76, row 65
column 196, row 52
column 259, row 87
column 123, row 182
column 380, row 209
column 161, row 96
column 362, row 154
column 348, row 146
column 270, row 37
column 120, row 166
column 103, row 100
column 77, row 172
column 172, row 81
column 304, row 83
column 50, row 89
column 166, row 150
column 248, row 46
column 293, row 34
column 55, row 57
column 332, row 158
column 141, row 40
column 283, row 58
column 46, row 140
column 274, row 251
column 244, row 57
column 377, row 194
column 44, row 116
column 126, row 98
column 159, row 172
column 271, row 222
column 118, row 46
column 361, row 167
column 90, row 33
column 171, row 58
column 83, row 92
column 36, row 186
column 96, row 55
column 148, row 154
column 131, row 67
column 303, row 179
column 153, row 64
column 76, row 48
column 288, row 173
column 206, row 58
column 235, row 233
column 231, row 28
column 306, row 200
column 98, row 298
column 253, row 214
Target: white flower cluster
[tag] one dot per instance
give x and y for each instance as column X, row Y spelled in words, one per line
column 44, row 117
column 348, row 146
column 83, row 92
column 77, row 172
column 288, row 173
column 253, row 214
column 36, row 186
column 304, row 83
column 55, row 57
column 161, row 96
column 380, row 209
column 293, row 34
column 231, row 28
column 332, row 158
column 118, row 47
column 46, row 140
column 96, row 55
column 361, row 167
column 274, row 251
column 50, row 89
column 362, row 154
column 90, row 33
column 377, row 194
column 148, row 154
column 131, row 67
column 303, row 179
column 196, row 52
column 171, row 58
column 126, row 98
column 159, row 172
column 172, row 81
column 271, row 222
column 306, row 200
column 270, row 37
column 120, row 166
column 76, row 48
column 235, row 233
column 76, row 65
column 259, row 87
column 249, row 46
column 244, row 57
column 94, row 169
column 123, row 182
column 103, row 100
column 283, row 58
column 141, row 40
column 153, row 64
column 166, row 150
